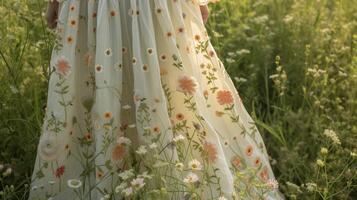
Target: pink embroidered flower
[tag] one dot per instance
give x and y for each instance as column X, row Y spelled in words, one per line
column 187, row 84
column 118, row 152
column 59, row 171
column 264, row 173
column 273, row 183
column 236, row 162
column 62, row 65
column 224, row 97
column 210, row 150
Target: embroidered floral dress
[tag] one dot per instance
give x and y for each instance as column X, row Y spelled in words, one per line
column 140, row 107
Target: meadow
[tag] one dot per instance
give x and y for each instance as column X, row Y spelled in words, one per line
column 294, row 63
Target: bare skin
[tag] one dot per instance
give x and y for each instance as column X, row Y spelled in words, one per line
column 52, row 13
column 204, row 13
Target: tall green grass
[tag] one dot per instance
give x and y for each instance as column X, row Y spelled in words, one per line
column 294, row 63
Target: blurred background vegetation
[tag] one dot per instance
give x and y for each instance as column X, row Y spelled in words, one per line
column 294, row 63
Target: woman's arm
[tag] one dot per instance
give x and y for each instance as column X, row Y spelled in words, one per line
column 52, row 13
column 204, row 12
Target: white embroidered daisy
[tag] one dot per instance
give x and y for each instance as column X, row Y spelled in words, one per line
column 179, row 166
column 195, row 164
column 273, row 183
column 74, row 183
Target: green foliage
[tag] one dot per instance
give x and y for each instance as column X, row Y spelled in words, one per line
column 294, row 63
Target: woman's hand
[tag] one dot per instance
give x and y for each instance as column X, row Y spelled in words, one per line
column 205, row 13
column 52, row 14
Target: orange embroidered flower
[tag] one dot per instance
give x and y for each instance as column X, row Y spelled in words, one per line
column 257, row 161
column 156, row 129
column 69, row 39
column 163, row 57
column 150, row 50
column 113, row 13
column 224, row 97
column 62, row 65
column 108, row 115
column 118, row 152
column 210, row 150
column 187, row 84
column 72, row 22
column 158, row 10
column 179, row 116
column 98, row 68
column 264, row 173
column 236, row 162
column 249, row 150
column 72, row 7
column 88, row 136
column 180, row 30
column 99, row 174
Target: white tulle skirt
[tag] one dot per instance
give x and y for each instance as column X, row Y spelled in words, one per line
column 140, row 107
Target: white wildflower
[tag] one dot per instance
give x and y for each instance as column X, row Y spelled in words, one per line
column 137, row 183
column 178, row 138
column 320, row 163
column 126, row 174
column 121, row 187
column 128, row 191
column 311, row 187
column 153, row 146
column 323, row 151
column 124, row 140
column 191, row 178
column 141, row 150
column 332, row 135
